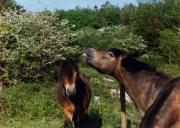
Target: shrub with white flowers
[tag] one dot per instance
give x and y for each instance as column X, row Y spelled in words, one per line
column 33, row 45
column 112, row 37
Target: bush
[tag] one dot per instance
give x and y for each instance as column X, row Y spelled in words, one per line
column 4, row 74
column 80, row 18
column 145, row 22
column 112, row 37
column 172, row 69
column 152, row 59
column 35, row 44
column 169, row 46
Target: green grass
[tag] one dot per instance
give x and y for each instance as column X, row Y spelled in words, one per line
column 32, row 105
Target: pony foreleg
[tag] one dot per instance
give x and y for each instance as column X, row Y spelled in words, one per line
column 69, row 112
column 82, row 117
column 123, row 107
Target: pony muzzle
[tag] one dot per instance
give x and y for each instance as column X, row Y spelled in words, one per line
column 88, row 53
column 70, row 91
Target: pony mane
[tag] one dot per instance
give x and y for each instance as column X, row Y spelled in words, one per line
column 133, row 65
column 67, row 68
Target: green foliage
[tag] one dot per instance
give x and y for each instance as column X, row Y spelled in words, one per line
column 80, row 18
column 97, row 18
column 169, row 46
column 35, row 105
column 27, row 103
column 172, row 69
column 4, row 73
column 168, row 12
column 112, row 37
column 145, row 22
column 152, row 17
column 147, row 19
column 107, row 15
column 35, row 44
column 5, row 27
column 10, row 4
column 126, row 13
column 153, row 59
column 30, row 101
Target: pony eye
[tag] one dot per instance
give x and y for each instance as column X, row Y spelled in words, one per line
column 110, row 54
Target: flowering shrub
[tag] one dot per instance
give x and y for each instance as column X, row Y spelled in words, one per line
column 112, row 37
column 34, row 44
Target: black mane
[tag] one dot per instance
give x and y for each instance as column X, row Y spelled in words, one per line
column 133, row 65
column 67, row 68
column 130, row 63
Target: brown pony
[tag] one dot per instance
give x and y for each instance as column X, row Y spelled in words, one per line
column 74, row 94
column 156, row 95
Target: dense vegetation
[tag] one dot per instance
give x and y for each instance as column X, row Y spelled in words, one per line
column 32, row 46
column 157, row 21
column 10, row 4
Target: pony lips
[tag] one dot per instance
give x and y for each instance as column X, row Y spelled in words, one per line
column 88, row 54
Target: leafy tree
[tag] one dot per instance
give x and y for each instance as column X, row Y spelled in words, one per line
column 168, row 11
column 79, row 17
column 35, row 45
column 126, row 13
column 112, row 37
column 10, row 4
column 154, row 16
column 169, row 46
column 145, row 22
column 107, row 15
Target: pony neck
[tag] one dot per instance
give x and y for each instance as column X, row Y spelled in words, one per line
column 143, row 86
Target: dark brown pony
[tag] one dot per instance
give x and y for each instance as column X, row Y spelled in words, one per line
column 156, row 95
column 74, row 94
